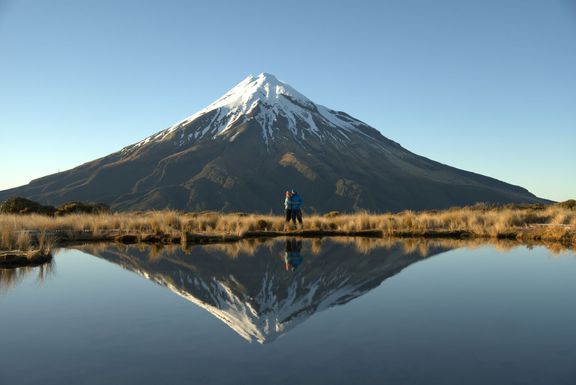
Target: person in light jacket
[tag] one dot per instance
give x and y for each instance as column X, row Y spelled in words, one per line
column 288, row 206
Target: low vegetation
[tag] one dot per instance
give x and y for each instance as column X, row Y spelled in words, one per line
column 23, row 206
column 550, row 223
column 17, row 258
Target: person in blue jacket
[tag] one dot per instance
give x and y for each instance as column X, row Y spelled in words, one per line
column 295, row 202
column 292, row 256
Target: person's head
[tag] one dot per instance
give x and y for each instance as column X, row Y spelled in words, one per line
column 288, row 193
column 293, row 192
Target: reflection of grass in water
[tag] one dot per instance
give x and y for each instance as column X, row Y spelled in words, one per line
column 550, row 223
column 11, row 277
column 313, row 246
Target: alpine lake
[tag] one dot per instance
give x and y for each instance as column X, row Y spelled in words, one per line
column 293, row 311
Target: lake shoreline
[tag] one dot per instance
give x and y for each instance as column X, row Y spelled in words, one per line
column 35, row 233
column 63, row 237
column 13, row 259
column 17, row 258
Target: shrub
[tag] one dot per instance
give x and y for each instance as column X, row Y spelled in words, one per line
column 569, row 204
column 19, row 205
column 82, row 208
column 261, row 224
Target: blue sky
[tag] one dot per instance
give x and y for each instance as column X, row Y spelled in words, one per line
column 487, row 86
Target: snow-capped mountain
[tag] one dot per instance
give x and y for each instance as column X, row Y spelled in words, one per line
column 266, row 100
column 278, row 110
column 254, row 294
column 262, row 137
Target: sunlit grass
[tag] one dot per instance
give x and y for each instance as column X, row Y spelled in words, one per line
column 551, row 223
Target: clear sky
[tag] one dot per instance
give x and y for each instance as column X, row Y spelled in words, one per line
column 487, row 86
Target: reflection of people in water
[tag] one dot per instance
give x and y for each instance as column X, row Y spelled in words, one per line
column 292, row 257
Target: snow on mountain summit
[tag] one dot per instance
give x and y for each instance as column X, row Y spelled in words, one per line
column 265, row 88
column 269, row 101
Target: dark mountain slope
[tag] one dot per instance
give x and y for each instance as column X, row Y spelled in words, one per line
column 261, row 138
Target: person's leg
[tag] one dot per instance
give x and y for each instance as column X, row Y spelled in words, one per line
column 299, row 216
column 294, row 216
column 288, row 215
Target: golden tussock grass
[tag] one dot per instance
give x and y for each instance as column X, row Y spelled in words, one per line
column 553, row 224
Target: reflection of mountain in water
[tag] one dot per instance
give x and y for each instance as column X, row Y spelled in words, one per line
column 257, row 295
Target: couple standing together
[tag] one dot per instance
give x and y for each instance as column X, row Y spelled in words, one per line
column 292, row 207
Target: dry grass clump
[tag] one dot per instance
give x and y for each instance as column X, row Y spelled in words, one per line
column 22, row 233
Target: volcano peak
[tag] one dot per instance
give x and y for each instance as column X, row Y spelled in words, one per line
column 264, row 87
column 277, row 108
column 239, row 152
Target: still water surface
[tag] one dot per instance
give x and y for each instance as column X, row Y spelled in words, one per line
column 292, row 312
